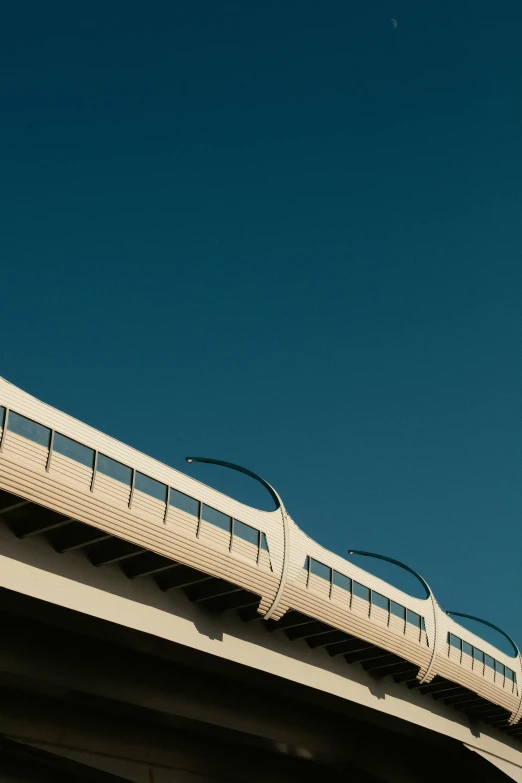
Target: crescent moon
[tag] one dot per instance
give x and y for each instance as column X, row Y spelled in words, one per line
column 394, row 23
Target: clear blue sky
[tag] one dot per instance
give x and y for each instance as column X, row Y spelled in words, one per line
column 286, row 235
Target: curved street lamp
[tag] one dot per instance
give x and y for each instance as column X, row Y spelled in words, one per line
column 279, row 505
column 394, row 562
column 516, row 715
column 429, row 594
column 486, row 622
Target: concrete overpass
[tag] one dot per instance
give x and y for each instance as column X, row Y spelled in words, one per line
column 123, row 659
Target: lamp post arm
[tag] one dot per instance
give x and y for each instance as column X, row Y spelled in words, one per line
column 284, row 517
column 240, row 469
column 515, row 717
column 429, row 594
column 486, row 622
column 397, row 563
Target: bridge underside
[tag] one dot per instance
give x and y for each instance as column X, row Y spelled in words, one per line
column 84, row 699
column 28, row 520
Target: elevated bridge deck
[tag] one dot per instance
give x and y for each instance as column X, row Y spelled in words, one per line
column 102, row 531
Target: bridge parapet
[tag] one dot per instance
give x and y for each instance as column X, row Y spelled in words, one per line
column 119, row 505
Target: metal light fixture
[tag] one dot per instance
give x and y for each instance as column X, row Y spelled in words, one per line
column 279, row 505
column 491, row 625
column 429, row 594
column 397, row 563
